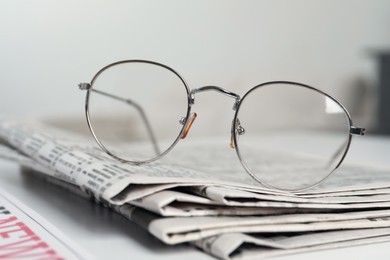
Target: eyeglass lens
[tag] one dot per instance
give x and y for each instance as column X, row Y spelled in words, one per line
column 294, row 136
column 136, row 103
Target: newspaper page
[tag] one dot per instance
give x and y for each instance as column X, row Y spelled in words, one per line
column 162, row 196
column 218, row 195
column 26, row 235
column 240, row 246
column 71, row 158
column 173, row 230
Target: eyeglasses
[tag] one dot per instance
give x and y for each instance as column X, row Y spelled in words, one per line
column 282, row 131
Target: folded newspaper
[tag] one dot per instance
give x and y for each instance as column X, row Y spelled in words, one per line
column 206, row 200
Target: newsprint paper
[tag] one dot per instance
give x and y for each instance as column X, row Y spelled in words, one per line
column 26, row 235
column 202, row 196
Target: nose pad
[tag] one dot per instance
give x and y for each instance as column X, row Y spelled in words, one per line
column 239, row 130
column 232, row 141
column 188, row 123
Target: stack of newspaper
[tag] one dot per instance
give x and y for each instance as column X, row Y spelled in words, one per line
column 203, row 197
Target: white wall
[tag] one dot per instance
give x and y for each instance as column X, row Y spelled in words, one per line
column 47, row 46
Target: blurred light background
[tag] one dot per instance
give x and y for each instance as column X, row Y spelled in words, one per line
column 47, row 47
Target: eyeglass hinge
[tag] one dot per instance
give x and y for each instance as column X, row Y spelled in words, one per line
column 84, row 86
column 357, row 130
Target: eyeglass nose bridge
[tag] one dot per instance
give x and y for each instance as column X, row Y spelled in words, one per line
column 239, row 130
column 217, row 89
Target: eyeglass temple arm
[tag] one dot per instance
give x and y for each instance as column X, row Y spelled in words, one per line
column 352, row 131
column 87, row 86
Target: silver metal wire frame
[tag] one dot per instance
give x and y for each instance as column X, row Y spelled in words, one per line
column 353, row 130
column 236, row 128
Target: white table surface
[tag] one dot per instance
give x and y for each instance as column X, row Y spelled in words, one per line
column 106, row 235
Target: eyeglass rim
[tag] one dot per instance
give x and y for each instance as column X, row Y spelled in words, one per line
column 89, row 121
column 236, row 143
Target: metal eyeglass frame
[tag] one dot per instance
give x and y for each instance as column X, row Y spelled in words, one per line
column 236, row 128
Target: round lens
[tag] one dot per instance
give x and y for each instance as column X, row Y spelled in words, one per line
column 135, row 109
column 290, row 136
